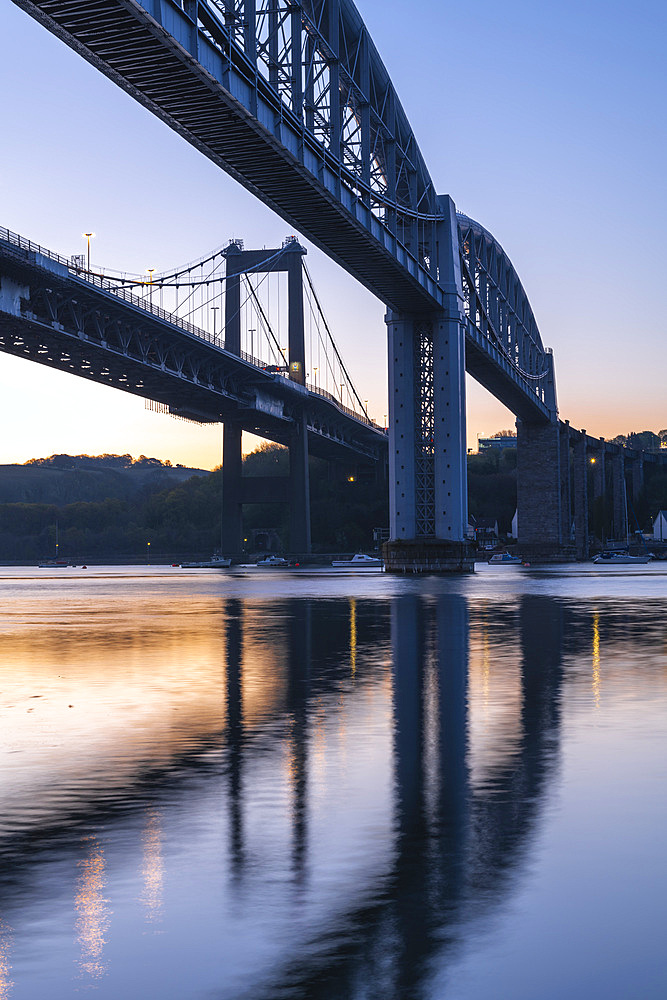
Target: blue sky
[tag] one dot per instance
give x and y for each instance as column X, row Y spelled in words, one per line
column 543, row 122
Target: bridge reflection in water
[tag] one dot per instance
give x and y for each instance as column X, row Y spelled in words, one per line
column 290, row 797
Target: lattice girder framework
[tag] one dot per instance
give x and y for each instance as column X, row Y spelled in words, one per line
column 319, row 58
column 499, row 315
column 293, row 100
column 424, row 430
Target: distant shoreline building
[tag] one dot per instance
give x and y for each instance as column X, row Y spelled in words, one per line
column 495, row 443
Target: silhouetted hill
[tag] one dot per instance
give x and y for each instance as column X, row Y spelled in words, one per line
column 65, row 479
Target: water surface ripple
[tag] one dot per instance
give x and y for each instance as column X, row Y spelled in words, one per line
column 329, row 787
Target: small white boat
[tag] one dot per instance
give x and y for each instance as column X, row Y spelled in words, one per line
column 505, row 559
column 272, row 562
column 621, row 559
column 215, row 562
column 358, row 561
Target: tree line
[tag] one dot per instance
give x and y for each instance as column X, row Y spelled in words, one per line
column 185, row 519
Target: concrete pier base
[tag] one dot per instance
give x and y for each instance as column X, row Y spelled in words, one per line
column 428, row 555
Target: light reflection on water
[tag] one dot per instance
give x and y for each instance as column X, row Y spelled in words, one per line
column 332, row 787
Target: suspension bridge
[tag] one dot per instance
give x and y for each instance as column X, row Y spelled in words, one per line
column 292, row 99
column 159, row 336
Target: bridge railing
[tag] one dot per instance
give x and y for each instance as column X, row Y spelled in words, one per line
column 341, row 406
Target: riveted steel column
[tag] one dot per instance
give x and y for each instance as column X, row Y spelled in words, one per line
column 402, row 513
column 427, row 441
column 451, row 474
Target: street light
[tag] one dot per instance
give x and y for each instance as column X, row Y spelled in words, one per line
column 315, row 374
column 214, row 310
column 252, row 349
column 89, row 236
column 148, row 553
column 150, row 271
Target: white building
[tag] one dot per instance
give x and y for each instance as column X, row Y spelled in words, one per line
column 660, row 526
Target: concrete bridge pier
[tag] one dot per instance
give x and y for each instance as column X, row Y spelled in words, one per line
column 566, row 516
column 600, row 498
column 428, row 494
column 299, row 488
column 619, row 499
column 580, row 466
column 539, row 491
column 637, row 472
column 232, row 485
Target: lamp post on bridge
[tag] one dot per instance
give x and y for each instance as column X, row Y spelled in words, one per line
column 88, row 237
column 214, row 310
column 150, row 271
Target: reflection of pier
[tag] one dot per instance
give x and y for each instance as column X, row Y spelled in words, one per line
column 455, row 849
column 459, row 822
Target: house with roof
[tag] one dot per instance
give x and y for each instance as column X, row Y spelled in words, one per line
column 660, row 526
column 486, row 532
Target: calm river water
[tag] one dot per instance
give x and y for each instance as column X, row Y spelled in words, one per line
column 286, row 787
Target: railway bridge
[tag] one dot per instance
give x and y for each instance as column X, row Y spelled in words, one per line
column 292, row 99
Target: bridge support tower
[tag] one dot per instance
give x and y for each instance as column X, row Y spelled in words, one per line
column 428, row 495
column 236, row 489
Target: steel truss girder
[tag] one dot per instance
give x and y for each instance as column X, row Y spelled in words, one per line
column 292, row 99
column 501, row 328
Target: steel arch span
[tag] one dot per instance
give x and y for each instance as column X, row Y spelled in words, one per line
column 292, row 99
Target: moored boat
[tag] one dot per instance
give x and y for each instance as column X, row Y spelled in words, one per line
column 621, row 559
column 272, row 562
column 215, row 562
column 359, row 561
column 504, row 559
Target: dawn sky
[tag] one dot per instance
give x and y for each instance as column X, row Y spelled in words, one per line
column 545, row 123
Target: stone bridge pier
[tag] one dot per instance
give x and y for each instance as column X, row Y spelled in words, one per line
column 575, row 492
column 543, row 491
